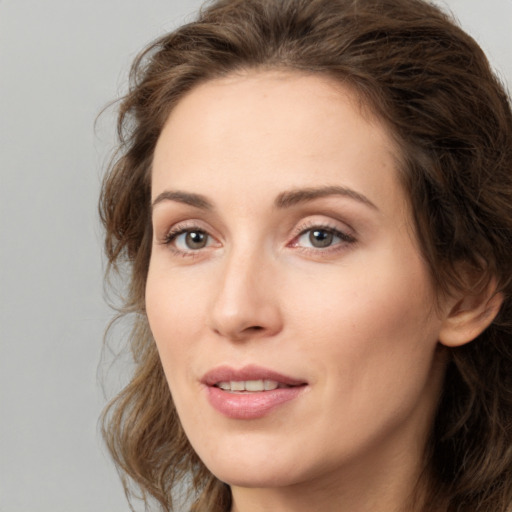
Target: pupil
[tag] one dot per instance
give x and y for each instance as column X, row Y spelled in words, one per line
column 195, row 240
column 320, row 238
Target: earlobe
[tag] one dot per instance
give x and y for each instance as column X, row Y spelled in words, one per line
column 470, row 316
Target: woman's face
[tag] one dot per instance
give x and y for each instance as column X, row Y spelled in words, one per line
column 286, row 293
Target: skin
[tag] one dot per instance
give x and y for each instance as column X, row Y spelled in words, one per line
column 354, row 319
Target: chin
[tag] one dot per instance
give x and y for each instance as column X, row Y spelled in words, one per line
column 261, row 468
column 252, row 476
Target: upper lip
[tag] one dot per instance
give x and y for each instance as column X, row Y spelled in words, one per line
column 250, row 372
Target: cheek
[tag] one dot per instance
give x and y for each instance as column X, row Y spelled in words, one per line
column 173, row 297
column 369, row 323
column 362, row 298
column 174, row 314
column 371, row 340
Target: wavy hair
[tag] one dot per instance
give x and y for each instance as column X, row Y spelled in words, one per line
column 433, row 87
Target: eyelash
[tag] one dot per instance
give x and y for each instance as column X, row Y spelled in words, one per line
column 175, row 232
column 345, row 239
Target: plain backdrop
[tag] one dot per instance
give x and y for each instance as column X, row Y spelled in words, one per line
column 61, row 62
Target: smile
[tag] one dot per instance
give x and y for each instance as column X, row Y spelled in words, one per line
column 251, row 392
column 250, row 386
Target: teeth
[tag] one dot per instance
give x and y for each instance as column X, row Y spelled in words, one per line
column 254, row 385
column 237, row 386
column 248, row 385
column 271, row 384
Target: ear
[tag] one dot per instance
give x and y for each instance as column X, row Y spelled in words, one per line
column 470, row 315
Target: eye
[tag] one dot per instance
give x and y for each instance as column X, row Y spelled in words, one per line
column 322, row 238
column 318, row 238
column 192, row 240
column 188, row 239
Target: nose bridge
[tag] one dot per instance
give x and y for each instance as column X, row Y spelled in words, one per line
column 245, row 304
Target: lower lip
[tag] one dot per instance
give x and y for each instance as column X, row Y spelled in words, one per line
column 250, row 406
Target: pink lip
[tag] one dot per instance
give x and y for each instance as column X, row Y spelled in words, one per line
column 253, row 405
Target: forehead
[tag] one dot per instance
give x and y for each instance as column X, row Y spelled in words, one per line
column 270, row 130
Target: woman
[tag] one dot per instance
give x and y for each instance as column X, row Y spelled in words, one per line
column 314, row 201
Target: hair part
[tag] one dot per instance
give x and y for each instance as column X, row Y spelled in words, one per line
column 432, row 85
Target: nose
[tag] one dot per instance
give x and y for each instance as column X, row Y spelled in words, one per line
column 246, row 303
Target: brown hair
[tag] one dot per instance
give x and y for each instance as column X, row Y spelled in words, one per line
column 432, row 85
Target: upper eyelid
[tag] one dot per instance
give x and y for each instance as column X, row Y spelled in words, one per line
column 164, row 221
column 329, row 224
column 298, row 229
column 345, row 238
column 319, row 220
column 163, row 233
column 174, row 232
column 188, row 224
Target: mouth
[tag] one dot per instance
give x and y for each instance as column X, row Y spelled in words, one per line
column 250, row 386
column 249, row 379
column 251, row 392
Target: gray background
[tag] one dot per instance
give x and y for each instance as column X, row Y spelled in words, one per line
column 61, row 61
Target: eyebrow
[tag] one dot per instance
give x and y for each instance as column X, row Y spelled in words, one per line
column 304, row 195
column 283, row 200
column 189, row 198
